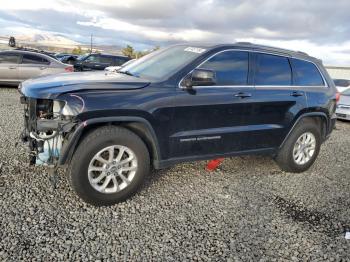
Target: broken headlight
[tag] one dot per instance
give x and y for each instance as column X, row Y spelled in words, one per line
column 72, row 106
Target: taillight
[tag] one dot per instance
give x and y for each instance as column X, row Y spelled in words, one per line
column 69, row 69
column 337, row 97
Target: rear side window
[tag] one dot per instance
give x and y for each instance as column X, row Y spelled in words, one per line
column 231, row 67
column 106, row 59
column 306, row 73
column 273, row 70
column 118, row 61
column 33, row 59
column 9, row 59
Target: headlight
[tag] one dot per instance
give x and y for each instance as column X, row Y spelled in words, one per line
column 73, row 106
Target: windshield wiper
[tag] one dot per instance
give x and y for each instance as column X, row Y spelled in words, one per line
column 126, row 73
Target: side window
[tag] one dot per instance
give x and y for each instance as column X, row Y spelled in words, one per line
column 93, row 58
column 9, row 58
column 120, row 60
column 231, row 67
column 33, row 59
column 106, row 59
column 273, row 70
column 306, row 73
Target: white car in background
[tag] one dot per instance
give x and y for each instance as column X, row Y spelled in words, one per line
column 116, row 68
column 343, row 106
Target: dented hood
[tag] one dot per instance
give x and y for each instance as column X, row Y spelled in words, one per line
column 54, row 85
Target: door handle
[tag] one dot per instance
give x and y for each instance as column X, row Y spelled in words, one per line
column 12, row 67
column 297, row 93
column 242, row 95
column 42, row 67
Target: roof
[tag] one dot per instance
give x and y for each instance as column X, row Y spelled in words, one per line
column 29, row 52
column 251, row 46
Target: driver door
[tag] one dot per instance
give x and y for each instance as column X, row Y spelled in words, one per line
column 92, row 62
column 208, row 119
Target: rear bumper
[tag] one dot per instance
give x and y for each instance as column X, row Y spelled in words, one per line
column 343, row 112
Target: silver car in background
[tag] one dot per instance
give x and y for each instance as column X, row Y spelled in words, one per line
column 17, row 66
column 343, row 106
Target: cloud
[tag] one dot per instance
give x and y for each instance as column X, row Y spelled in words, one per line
column 317, row 27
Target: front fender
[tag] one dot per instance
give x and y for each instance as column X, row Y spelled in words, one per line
column 71, row 144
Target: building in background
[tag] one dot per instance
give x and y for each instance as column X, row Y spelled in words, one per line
column 339, row 72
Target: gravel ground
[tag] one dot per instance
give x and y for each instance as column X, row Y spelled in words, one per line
column 246, row 210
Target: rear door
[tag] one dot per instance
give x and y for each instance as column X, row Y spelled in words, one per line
column 208, row 119
column 9, row 67
column 105, row 61
column 33, row 65
column 277, row 101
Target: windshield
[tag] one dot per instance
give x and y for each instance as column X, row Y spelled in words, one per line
column 346, row 92
column 163, row 63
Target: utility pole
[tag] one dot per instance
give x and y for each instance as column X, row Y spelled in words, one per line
column 91, row 44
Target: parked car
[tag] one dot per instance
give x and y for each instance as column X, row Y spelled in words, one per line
column 181, row 103
column 67, row 58
column 98, row 61
column 116, row 68
column 343, row 107
column 17, row 66
column 341, row 84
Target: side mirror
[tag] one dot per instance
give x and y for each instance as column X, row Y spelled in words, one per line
column 201, row 77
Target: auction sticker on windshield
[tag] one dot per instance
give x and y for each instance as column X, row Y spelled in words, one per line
column 195, row 49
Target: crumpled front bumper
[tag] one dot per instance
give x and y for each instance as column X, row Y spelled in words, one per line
column 44, row 136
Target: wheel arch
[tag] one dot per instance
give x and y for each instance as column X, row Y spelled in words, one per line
column 320, row 118
column 138, row 125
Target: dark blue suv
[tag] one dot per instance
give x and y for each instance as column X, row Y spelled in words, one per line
column 181, row 103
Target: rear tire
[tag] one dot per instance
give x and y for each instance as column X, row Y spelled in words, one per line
column 301, row 148
column 91, row 162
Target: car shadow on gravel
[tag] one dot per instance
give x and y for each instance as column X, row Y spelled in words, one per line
column 315, row 221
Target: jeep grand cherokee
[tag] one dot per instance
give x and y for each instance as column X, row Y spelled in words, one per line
column 181, row 103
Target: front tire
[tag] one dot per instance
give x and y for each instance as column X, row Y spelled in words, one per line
column 301, row 148
column 109, row 166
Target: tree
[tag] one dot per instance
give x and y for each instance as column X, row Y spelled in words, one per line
column 77, row 51
column 129, row 51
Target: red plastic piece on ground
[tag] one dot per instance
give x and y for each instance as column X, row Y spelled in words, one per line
column 213, row 164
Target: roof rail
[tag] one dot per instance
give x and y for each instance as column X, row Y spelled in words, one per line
column 51, row 54
column 303, row 53
column 244, row 43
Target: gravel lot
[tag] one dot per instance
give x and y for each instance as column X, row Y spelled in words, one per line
column 246, row 210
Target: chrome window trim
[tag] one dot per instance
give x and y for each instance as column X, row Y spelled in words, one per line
column 254, row 51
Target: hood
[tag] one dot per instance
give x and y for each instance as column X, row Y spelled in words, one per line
column 51, row 86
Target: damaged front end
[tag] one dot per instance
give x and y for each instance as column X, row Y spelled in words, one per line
column 48, row 124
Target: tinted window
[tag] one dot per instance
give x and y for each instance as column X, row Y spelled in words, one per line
column 306, row 73
column 342, row 82
column 33, row 59
column 106, row 59
column 231, row 67
column 120, row 60
column 273, row 70
column 93, row 58
column 8, row 59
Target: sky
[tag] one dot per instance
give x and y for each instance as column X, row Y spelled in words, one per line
column 320, row 28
